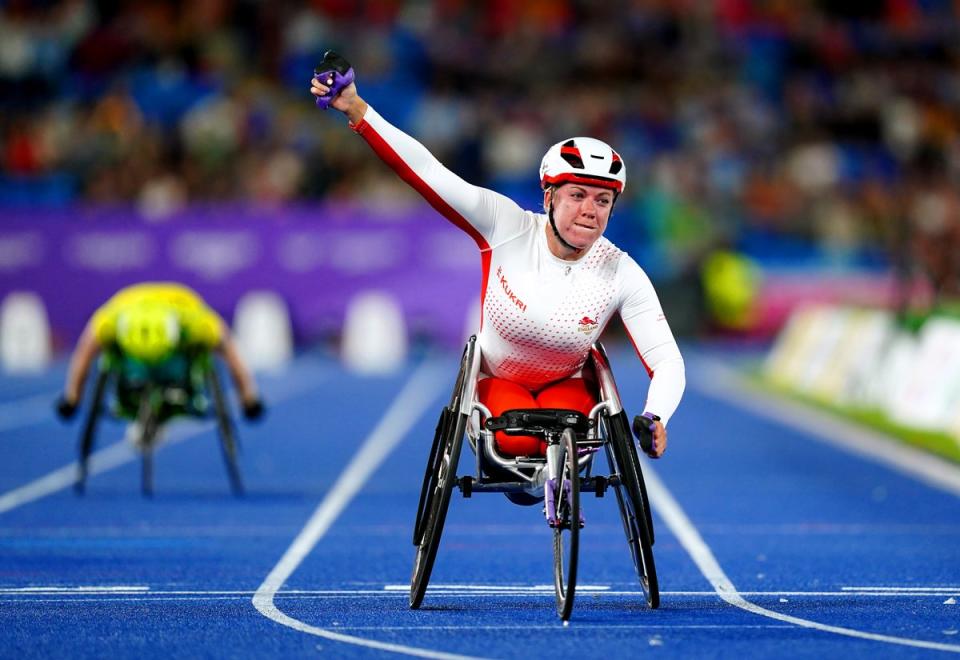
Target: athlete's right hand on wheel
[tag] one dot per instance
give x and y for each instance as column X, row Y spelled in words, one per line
column 65, row 409
column 651, row 434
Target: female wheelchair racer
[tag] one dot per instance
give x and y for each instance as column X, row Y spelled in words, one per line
column 551, row 283
column 156, row 343
column 186, row 385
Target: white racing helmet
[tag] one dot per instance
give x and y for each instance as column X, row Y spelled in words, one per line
column 583, row 160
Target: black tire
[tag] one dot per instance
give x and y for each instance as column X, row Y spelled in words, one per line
column 447, row 417
column 146, row 480
column 429, row 477
column 228, row 439
column 148, row 419
column 438, row 501
column 634, row 511
column 566, row 534
column 90, row 431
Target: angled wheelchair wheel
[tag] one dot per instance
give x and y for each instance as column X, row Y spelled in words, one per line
column 430, row 475
column 566, row 533
column 437, row 502
column 90, row 430
column 228, row 438
column 148, row 421
column 634, row 509
column 448, row 418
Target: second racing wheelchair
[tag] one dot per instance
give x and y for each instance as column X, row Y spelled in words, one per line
column 564, row 473
column 187, row 386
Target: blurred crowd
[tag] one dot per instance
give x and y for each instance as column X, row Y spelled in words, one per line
column 768, row 126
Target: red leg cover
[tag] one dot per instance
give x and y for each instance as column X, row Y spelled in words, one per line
column 499, row 395
column 572, row 394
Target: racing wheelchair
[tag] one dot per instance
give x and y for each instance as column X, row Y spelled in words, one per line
column 562, row 475
column 149, row 398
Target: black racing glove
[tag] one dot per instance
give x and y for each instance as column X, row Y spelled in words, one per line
column 65, row 409
column 332, row 61
column 253, row 410
column 643, row 427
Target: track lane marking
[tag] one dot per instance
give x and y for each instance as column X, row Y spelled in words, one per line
column 100, row 461
column 466, row 588
column 292, row 594
column 725, row 384
column 27, row 411
column 84, row 589
column 904, row 590
column 411, row 403
column 673, row 515
column 120, row 453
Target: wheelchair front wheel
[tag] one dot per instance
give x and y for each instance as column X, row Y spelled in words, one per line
column 566, row 532
column 429, row 486
column 148, row 426
column 633, row 514
column 449, row 416
column 90, row 430
column 437, row 502
column 228, row 439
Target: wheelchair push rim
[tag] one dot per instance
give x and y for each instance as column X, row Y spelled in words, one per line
column 633, row 515
column 428, row 488
column 438, row 501
column 447, row 416
column 566, row 530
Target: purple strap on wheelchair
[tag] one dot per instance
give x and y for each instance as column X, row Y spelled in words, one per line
column 550, row 510
column 568, row 487
column 340, row 80
column 550, row 504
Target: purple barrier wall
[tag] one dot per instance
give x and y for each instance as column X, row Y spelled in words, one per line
column 317, row 258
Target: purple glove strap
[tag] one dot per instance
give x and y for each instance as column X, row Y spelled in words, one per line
column 652, row 418
column 340, row 80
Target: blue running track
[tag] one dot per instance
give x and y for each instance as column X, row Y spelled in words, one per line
column 772, row 539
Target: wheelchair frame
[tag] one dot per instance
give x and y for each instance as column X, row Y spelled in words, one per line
column 571, row 433
column 158, row 403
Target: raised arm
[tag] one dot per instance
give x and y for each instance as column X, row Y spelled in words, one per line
column 484, row 214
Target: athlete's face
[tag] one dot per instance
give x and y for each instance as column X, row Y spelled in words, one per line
column 580, row 211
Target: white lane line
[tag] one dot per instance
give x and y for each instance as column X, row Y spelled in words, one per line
column 119, row 453
column 688, row 536
column 547, row 630
column 106, row 459
column 27, row 411
column 902, row 590
column 725, row 384
column 145, row 593
column 143, row 597
column 76, row 590
column 412, row 401
column 548, row 588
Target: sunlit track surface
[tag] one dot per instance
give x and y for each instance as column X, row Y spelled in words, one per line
column 801, row 528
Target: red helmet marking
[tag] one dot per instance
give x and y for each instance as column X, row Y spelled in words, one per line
column 586, row 180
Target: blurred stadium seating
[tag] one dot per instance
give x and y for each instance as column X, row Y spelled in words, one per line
column 820, row 140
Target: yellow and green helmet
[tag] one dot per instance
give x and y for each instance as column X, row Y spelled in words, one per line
column 148, row 332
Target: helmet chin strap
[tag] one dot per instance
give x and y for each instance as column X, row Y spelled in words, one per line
column 556, row 232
